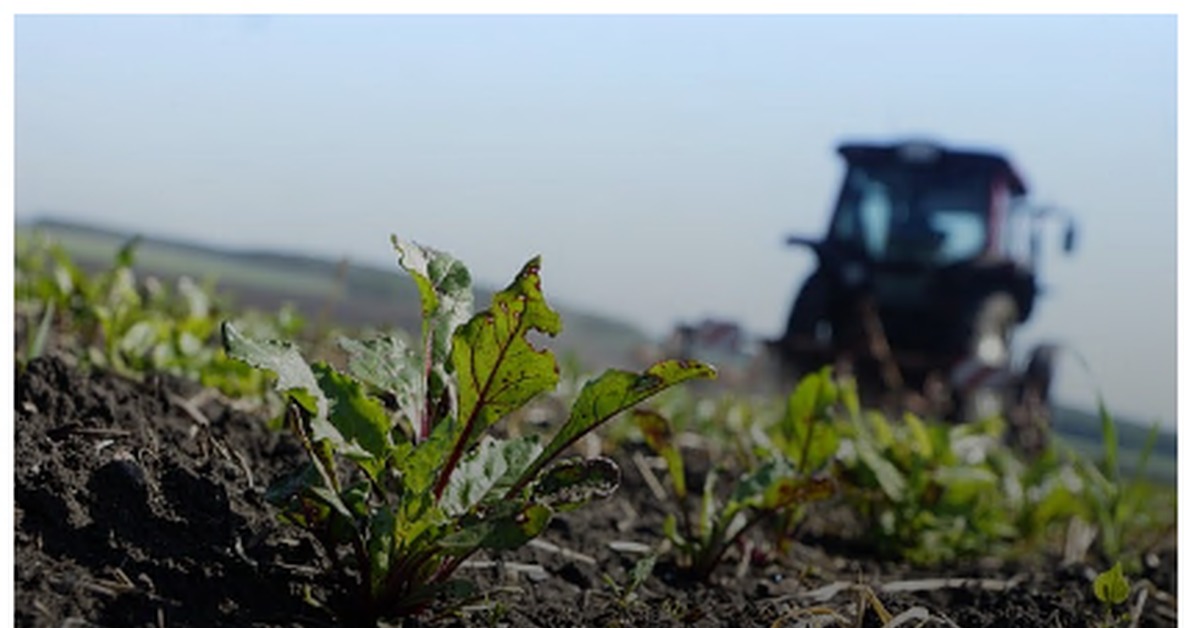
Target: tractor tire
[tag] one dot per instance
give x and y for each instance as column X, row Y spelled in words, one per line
column 810, row 308
column 989, row 333
column 1029, row 424
column 1030, row 419
column 991, row 328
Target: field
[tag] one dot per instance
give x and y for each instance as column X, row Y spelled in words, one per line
column 147, row 483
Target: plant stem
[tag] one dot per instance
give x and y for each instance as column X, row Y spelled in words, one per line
column 465, row 436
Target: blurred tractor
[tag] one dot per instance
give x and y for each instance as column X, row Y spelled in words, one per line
column 928, row 267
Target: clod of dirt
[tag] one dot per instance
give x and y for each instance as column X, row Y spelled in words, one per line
column 127, row 515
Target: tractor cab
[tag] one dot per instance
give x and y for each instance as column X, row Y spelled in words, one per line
column 920, row 205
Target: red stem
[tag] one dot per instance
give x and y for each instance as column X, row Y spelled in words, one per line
column 460, row 446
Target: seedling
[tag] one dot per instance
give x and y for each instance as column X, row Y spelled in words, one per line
column 114, row 319
column 777, row 487
column 929, row 492
column 1117, row 506
column 626, row 593
column 1111, row 588
column 402, row 492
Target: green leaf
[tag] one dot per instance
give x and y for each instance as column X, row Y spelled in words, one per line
column 775, row 485
column 1108, row 428
column 809, row 401
column 1057, row 504
column 640, row 573
column 751, row 488
column 965, row 484
column 199, row 303
column 293, row 484
column 475, row 477
column 511, row 533
column 419, row 466
column 189, row 344
column 446, row 303
column 1111, row 587
column 126, row 254
column 498, row 370
column 918, row 436
column 509, row 527
column 884, row 436
column 848, row 395
column 380, row 545
column 37, row 343
column 330, row 498
column 885, row 473
column 656, row 429
column 388, row 365
column 568, row 484
column 518, row 455
column 708, row 508
column 791, row 490
column 445, row 288
column 295, row 378
column 363, row 431
column 671, row 531
column 140, row 338
column 614, row 391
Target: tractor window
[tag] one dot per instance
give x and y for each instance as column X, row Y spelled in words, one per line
column 865, row 213
column 956, row 213
column 876, row 214
column 895, row 213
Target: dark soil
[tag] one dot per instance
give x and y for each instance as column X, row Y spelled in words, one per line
column 141, row 504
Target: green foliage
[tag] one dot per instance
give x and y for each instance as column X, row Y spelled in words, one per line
column 413, row 488
column 637, row 576
column 1111, row 587
column 929, row 492
column 778, row 486
column 1122, row 510
column 112, row 319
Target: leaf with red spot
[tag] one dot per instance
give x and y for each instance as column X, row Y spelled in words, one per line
column 496, row 367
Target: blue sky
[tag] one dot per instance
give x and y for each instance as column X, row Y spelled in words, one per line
column 656, row 162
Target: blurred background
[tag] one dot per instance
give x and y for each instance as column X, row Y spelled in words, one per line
column 657, row 163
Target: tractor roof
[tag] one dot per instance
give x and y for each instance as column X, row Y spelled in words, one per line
column 932, row 153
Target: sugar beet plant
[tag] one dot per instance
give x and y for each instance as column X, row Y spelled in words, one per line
column 113, row 318
column 404, row 481
column 779, row 486
column 930, row 492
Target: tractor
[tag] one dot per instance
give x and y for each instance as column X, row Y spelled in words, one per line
column 928, row 267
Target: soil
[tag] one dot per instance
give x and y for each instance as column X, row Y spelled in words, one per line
column 141, row 504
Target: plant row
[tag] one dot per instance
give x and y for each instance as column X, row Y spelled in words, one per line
column 408, row 476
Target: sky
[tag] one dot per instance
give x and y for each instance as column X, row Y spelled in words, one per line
column 655, row 162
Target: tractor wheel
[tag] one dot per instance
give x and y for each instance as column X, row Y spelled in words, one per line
column 810, row 308
column 989, row 331
column 1030, row 419
column 804, row 326
column 1029, row 423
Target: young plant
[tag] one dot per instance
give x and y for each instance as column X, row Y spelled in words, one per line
column 626, row 593
column 112, row 319
column 929, row 492
column 404, row 482
column 1112, row 589
column 776, row 487
column 1119, row 508
column 807, row 436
